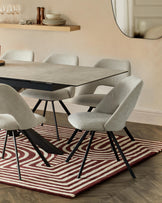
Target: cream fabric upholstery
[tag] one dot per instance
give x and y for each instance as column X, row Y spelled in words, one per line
column 19, row 55
column 110, row 115
column 113, row 111
column 85, row 95
column 16, row 117
column 49, row 95
column 15, row 114
column 88, row 99
column 87, row 120
column 62, row 59
column 58, row 94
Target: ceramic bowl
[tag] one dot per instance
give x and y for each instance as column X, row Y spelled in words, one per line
column 53, row 15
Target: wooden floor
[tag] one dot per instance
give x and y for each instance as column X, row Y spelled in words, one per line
column 147, row 187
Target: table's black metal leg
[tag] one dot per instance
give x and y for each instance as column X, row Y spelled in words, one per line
column 42, row 142
column 86, row 154
column 36, row 148
column 17, row 158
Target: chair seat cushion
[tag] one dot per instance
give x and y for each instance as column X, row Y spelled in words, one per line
column 90, row 121
column 88, row 99
column 47, row 95
column 8, row 122
column 40, row 119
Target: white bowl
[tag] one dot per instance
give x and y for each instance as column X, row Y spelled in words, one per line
column 53, row 15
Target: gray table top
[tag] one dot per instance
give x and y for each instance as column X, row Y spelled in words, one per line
column 55, row 74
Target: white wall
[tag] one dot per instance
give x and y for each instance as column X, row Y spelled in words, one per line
column 98, row 38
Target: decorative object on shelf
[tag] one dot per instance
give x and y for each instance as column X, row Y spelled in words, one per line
column 54, row 22
column 41, row 15
column 53, row 15
column 29, row 22
column 10, row 13
column 38, row 15
column 26, row 22
column 54, row 19
column 2, row 62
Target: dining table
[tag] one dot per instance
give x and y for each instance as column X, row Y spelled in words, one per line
column 46, row 76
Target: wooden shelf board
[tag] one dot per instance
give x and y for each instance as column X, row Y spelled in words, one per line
column 65, row 28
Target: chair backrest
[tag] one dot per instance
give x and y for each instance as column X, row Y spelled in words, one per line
column 112, row 81
column 12, row 103
column 120, row 102
column 19, row 55
column 66, row 60
column 62, row 59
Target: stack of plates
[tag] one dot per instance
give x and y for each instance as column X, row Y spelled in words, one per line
column 57, row 21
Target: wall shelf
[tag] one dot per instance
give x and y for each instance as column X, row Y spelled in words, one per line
column 65, row 28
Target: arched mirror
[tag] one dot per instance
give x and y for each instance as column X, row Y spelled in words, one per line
column 139, row 18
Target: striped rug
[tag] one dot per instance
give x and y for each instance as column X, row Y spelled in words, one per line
column 61, row 177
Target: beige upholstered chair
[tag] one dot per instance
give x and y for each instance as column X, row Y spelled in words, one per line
column 86, row 95
column 15, row 117
column 19, row 55
column 110, row 115
column 57, row 95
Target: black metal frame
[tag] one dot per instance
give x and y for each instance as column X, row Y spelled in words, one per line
column 113, row 147
column 16, row 151
column 54, row 112
column 121, row 153
column 14, row 134
column 30, row 84
column 113, row 142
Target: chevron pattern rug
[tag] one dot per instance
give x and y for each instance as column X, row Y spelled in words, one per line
column 61, row 177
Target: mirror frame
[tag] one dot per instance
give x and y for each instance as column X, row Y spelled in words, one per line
column 138, row 27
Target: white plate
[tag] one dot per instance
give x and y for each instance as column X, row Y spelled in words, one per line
column 54, row 22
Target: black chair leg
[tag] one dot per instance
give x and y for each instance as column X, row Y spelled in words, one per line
column 44, row 112
column 113, row 146
column 129, row 134
column 17, row 158
column 73, row 135
column 4, row 147
column 54, row 115
column 77, row 145
column 64, row 107
column 36, row 148
column 90, row 109
column 86, row 154
column 36, row 106
column 76, row 130
column 122, row 154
